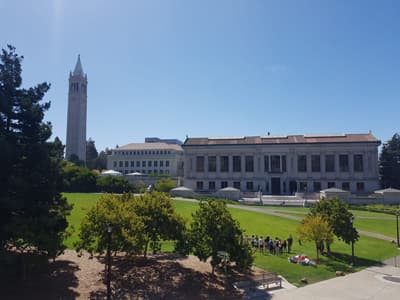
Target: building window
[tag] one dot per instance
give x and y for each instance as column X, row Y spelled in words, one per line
column 144, row 163
column 132, row 164
column 360, row 187
column 267, row 187
column 224, row 163
column 266, row 163
column 316, row 186
column 358, row 163
column 275, row 163
column 249, row 186
column 236, row 185
column 149, row 163
column 199, row 185
column 301, row 163
column 303, row 187
column 155, row 163
column 137, row 164
column 144, row 171
column 330, row 163
column 237, row 164
column 161, row 171
column 284, row 163
column 249, row 163
column 346, row 186
column 161, row 163
column 212, row 164
column 121, row 164
column 224, row 184
column 211, row 185
column 167, row 163
column 343, row 163
column 315, row 163
column 331, row 184
column 199, row 163
column 114, row 164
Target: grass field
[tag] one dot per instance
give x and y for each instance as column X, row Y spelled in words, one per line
column 368, row 251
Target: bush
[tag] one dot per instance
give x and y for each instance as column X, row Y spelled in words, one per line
column 113, row 184
column 78, row 179
column 165, row 185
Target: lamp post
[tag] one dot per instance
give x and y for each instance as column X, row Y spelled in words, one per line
column 109, row 230
column 352, row 242
column 397, row 228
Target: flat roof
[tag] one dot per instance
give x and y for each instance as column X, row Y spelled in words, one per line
column 149, row 146
column 289, row 139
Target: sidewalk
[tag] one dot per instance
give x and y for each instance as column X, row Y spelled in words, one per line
column 374, row 283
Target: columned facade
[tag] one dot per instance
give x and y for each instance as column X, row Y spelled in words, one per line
column 283, row 165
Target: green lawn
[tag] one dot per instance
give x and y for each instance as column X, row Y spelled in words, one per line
column 82, row 202
column 368, row 251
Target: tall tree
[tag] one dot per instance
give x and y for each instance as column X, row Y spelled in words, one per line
column 337, row 213
column 91, row 154
column 101, row 160
column 316, row 229
column 32, row 210
column 212, row 230
column 389, row 163
column 159, row 218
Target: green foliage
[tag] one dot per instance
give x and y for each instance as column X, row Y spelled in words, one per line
column 32, row 211
column 212, row 230
column 317, row 229
column 159, row 217
column 165, row 185
column 91, row 154
column 127, row 227
column 113, row 184
column 137, row 223
column 337, row 213
column 389, row 163
column 79, row 179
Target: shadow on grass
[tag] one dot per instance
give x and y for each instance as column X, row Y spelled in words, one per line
column 342, row 262
column 162, row 277
column 53, row 280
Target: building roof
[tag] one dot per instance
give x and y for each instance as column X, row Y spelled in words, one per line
column 78, row 67
column 289, row 139
column 149, row 146
column 388, row 190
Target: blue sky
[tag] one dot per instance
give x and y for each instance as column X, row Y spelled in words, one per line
column 214, row 68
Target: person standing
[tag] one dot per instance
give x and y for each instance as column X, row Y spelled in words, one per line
column 289, row 242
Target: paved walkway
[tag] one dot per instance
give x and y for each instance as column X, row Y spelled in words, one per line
column 372, row 284
column 280, row 213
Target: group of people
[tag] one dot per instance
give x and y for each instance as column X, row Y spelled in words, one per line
column 275, row 246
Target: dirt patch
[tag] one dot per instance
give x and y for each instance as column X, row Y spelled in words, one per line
column 166, row 276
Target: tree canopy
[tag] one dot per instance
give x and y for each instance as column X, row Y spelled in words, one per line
column 317, row 229
column 212, row 230
column 389, row 163
column 337, row 213
column 32, row 211
column 136, row 222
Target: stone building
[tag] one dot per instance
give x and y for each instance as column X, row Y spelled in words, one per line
column 77, row 107
column 282, row 164
column 147, row 158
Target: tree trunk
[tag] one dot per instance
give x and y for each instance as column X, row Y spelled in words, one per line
column 316, row 246
column 145, row 249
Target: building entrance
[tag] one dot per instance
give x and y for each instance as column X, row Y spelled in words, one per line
column 275, row 186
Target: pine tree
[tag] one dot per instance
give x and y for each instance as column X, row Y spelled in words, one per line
column 390, row 163
column 32, row 210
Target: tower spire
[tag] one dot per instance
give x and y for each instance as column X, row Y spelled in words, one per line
column 78, row 67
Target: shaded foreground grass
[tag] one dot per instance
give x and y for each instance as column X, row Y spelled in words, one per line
column 368, row 251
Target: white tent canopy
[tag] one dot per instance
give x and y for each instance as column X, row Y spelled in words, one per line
column 111, row 173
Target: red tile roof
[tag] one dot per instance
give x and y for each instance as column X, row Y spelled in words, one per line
column 290, row 139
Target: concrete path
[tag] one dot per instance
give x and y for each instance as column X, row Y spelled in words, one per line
column 280, row 213
column 372, row 283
